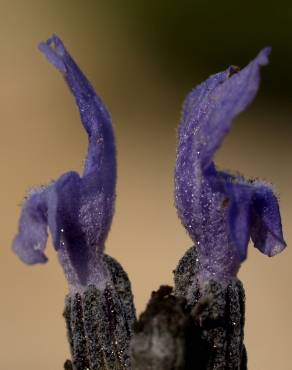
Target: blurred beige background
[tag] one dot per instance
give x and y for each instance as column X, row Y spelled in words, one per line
column 41, row 138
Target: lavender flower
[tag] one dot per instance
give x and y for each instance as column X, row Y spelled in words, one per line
column 77, row 209
column 99, row 311
column 219, row 210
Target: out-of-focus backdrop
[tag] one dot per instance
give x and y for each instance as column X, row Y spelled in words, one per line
column 142, row 57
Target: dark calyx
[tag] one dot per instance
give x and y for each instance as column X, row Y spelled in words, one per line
column 219, row 312
column 99, row 324
column 190, row 328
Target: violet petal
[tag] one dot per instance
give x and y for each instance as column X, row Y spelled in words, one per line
column 266, row 231
column 32, row 235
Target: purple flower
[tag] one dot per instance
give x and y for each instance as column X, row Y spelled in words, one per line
column 77, row 209
column 219, row 210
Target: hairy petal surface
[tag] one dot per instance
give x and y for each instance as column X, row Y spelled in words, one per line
column 221, row 211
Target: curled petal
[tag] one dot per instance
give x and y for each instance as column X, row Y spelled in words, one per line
column 94, row 115
column 266, row 231
column 32, row 236
column 227, row 101
column 254, row 212
column 210, row 108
